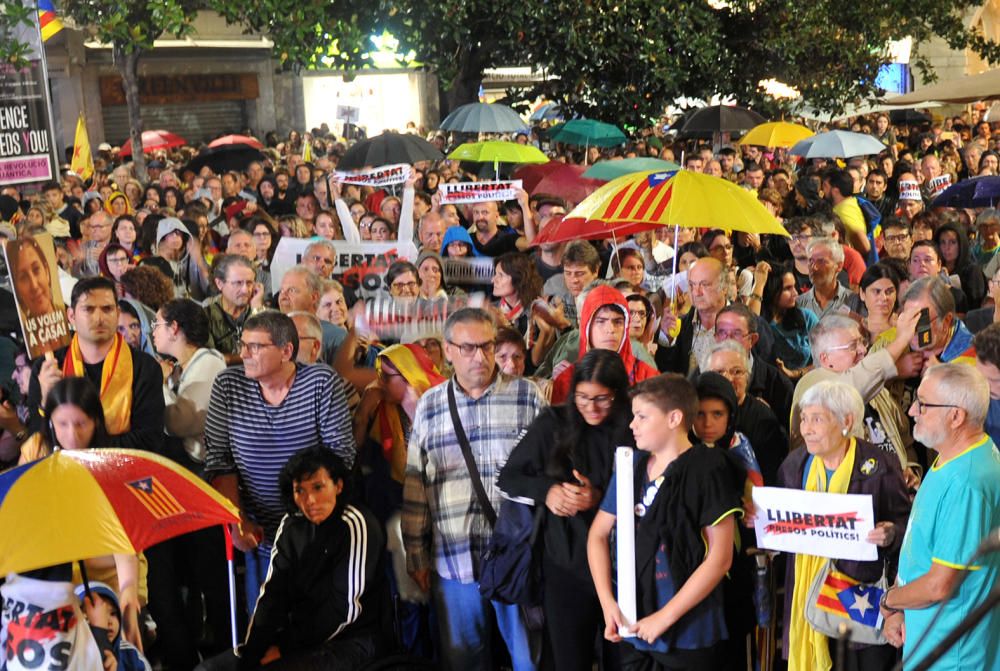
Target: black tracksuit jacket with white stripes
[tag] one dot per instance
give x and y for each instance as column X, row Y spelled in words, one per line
column 324, row 581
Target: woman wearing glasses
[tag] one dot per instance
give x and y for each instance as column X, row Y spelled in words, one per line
column 832, row 419
column 180, row 334
column 564, row 463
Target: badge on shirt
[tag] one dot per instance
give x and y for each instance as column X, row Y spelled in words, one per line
column 869, row 466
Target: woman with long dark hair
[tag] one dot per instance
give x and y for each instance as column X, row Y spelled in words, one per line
column 516, row 284
column 790, row 324
column 956, row 257
column 564, row 463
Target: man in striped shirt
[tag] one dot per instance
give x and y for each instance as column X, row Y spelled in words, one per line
column 259, row 415
column 444, row 526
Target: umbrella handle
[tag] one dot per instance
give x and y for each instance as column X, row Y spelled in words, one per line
column 232, row 583
column 83, row 577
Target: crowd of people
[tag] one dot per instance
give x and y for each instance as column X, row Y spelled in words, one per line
column 860, row 354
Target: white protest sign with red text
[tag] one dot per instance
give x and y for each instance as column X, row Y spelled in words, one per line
column 383, row 176
column 478, row 192
column 814, row 523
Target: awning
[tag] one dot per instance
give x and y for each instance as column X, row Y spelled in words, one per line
column 984, row 86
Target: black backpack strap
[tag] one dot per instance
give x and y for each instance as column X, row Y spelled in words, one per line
column 470, row 462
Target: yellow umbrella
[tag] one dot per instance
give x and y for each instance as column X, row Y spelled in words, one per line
column 497, row 152
column 776, row 134
column 644, row 200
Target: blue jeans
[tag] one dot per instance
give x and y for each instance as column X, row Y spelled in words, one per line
column 257, row 563
column 465, row 619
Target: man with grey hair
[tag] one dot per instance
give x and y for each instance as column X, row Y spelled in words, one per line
column 301, row 289
column 239, row 297
column 826, row 258
column 950, row 340
column 310, row 330
column 430, row 231
column 956, row 507
column 320, row 256
column 445, row 525
column 753, row 417
column 708, row 282
column 259, row 415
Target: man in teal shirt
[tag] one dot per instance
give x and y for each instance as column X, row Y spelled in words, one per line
column 956, row 507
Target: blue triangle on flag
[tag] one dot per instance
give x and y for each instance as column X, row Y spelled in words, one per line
column 861, row 603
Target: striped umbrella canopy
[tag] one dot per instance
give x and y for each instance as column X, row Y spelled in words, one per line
column 484, row 118
column 644, row 200
column 78, row 504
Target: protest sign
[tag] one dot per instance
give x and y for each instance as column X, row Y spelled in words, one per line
column 25, row 139
column 468, row 270
column 377, row 177
column 348, row 113
column 814, row 523
column 359, row 266
column 34, row 276
column 408, row 319
column 939, row 184
column 625, row 538
column 477, row 192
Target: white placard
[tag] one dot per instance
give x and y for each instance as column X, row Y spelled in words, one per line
column 348, row 113
column 625, row 535
column 815, row 523
column 360, row 266
column 477, row 192
column 376, row 177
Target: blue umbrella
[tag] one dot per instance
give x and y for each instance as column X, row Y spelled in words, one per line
column 837, row 144
column 547, row 112
column 609, row 170
column 484, row 118
column 975, row 192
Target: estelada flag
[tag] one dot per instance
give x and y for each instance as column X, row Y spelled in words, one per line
column 83, row 161
column 844, row 596
column 48, row 22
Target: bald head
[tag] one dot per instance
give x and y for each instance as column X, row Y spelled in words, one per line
column 706, row 277
column 431, row 231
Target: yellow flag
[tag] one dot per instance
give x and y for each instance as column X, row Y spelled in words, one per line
column 83, row 161
column 307, row 149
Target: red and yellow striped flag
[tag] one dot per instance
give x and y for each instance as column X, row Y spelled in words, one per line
column 155, row 498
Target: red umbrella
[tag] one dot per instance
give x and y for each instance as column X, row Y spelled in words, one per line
column 532, row 174
column 567, row 183
column 153, row 140
column 236, row 139
column 559, row 229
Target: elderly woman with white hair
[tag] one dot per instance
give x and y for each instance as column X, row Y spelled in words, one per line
column 837, row 460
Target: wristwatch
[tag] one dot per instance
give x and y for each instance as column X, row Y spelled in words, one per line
column 884, row 606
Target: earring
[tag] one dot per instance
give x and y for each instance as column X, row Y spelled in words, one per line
column 843, row 432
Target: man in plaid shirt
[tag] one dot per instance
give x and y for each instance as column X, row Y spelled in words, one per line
column 444, row 528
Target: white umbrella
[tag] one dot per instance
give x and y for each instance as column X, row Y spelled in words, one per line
column 837, row 144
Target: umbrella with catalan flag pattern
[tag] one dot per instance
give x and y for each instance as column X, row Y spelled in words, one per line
column 78, row 504
column 644, row 200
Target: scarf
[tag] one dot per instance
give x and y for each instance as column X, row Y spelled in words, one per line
column 420, row 373
column 808, row 650
column 116, row 382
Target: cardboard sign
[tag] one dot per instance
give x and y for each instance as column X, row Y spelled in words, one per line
column 348, row 113
column 815, row 523
column 478, row 192
column 377, row 177
column 34, row 276
column 359, row 266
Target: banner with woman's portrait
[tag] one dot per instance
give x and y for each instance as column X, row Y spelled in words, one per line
column 34, row 277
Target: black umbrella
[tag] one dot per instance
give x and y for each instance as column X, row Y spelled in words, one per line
column 225, row 157
column 705, row 121
column 910, row 116
column 387, row 149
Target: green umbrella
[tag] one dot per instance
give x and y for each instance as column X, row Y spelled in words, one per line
column 609, row 170
column 588, row 132
column 497, row 152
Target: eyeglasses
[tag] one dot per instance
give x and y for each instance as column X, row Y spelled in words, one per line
column 731, row 372
column 820, row 261
column 469, row 349
column 254, row 347
column 801, row 237
column 729, row 335
column 603, row 401
column 921, row 405
column 637, row 314
column 156, row 325
column 404, row 285
column 854, row 344
column 117, row 261
column 902, row 237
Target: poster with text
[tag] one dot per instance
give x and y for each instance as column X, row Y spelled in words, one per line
column 34, row 276
column 814, row 523
column 25, row 127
